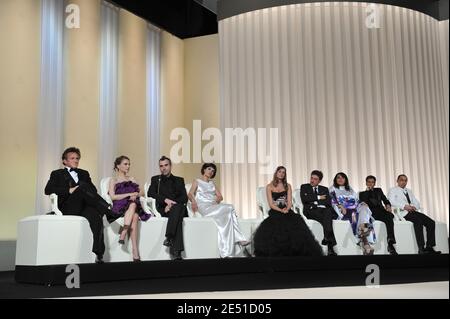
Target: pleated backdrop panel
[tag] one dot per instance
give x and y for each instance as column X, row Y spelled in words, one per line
column 108, row 125
column 51, row 107
column 344, row 97
column 443, row 28
column 153, row 100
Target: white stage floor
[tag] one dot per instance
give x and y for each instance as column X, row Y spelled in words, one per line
column 427, row 290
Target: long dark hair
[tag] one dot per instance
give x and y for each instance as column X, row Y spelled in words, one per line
column 275, row 179
column 344, row 176
column 119, row 161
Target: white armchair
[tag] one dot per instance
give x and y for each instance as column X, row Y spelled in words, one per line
column 406, row 238
column 346, row 243
column 297, row 203
column 397, row 215
column 261, row 202
column 148, row 203
column 54, row 203
column 104, row 187
column 151, row 232
column 191, row 213
column 49, row 240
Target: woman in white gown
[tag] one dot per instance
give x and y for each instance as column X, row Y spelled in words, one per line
column 206, row 199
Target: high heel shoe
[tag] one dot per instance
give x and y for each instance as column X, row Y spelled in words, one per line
column 244, row 243
column 121, row 229
column 137, row 260
column 367, row 249
column 364, row 230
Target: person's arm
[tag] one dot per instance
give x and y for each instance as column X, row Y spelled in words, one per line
column 328, row 198
column 364, row 197
column 153, row 191
column 85, row 181
column 139, row 191
column 414, row 201
column 395, row 199
column 307, row 198
column 191, row 195
column 112, row 191
column 289, row 199
column 358, row 200
column 386, row 202
column 219, row 196
column 338, row 208
column 89, row 182
column 53, row 187
column 182, row 197
column 270, row 201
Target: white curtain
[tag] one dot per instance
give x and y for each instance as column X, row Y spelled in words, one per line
column 108, row 89
column 344, row 97
column 443, row 29
column 153, row 100
column 51, row 107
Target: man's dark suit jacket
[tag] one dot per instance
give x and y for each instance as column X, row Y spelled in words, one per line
column 374, row 198
column 61, row 181
column 309, row 197
column 172, row 187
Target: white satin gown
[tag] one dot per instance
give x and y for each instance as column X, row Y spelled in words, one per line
column 224, row 216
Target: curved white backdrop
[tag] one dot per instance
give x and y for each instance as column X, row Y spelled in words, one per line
column 345, row 97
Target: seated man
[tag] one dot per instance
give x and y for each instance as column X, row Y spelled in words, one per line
column 78, row 196
column 375, row 198
column 171, row 198
column 317, row 206
column 403, row 198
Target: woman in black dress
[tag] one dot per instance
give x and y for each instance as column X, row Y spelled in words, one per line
column 283, row 233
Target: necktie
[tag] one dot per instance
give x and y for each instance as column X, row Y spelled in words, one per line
column 407, row 197
column 315, row 191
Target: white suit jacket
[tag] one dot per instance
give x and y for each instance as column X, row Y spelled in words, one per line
column 396, row 196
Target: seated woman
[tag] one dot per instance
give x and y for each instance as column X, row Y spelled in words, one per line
column 125, row 193
column 205, row 198
column 346, row 203
column 283, row 233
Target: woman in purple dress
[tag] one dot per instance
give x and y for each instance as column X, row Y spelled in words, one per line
column 125, row 193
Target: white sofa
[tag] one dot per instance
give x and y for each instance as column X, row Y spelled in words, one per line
column 152, row 234
column 58, row 239
column 346, row 242
column 406, row 238
column 404, row 233
column 52, row 240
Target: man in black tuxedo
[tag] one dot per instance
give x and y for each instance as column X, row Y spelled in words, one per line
column 317, row 205
column 170, row 194
column 78, row 196
column 374, row 198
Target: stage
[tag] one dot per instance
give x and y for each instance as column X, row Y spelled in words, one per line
column 202, row 275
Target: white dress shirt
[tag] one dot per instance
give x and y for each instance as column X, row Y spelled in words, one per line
column 316, row 189
column 74, row 175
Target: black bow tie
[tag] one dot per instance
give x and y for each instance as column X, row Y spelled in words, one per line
column 73, row 170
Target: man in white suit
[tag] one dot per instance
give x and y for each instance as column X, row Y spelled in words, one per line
column 404, row 199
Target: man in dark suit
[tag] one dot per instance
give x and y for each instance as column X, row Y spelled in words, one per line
column 374, row 198
column 317, row 206
column 78, row 196
column 170, row 194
